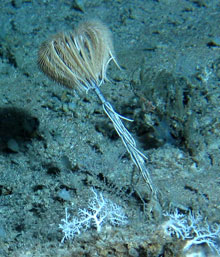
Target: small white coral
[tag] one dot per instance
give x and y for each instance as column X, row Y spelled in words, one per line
column 99, row 211
column 192, row 229
column 205, row 235
column 176, row 225
column 70, row 228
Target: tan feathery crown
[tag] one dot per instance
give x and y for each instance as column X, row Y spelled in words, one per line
column 78, row 58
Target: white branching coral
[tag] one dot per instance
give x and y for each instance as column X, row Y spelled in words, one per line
column 194, row 229
column 99, row 212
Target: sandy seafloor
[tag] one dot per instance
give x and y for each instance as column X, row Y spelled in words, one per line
column 54, row 140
